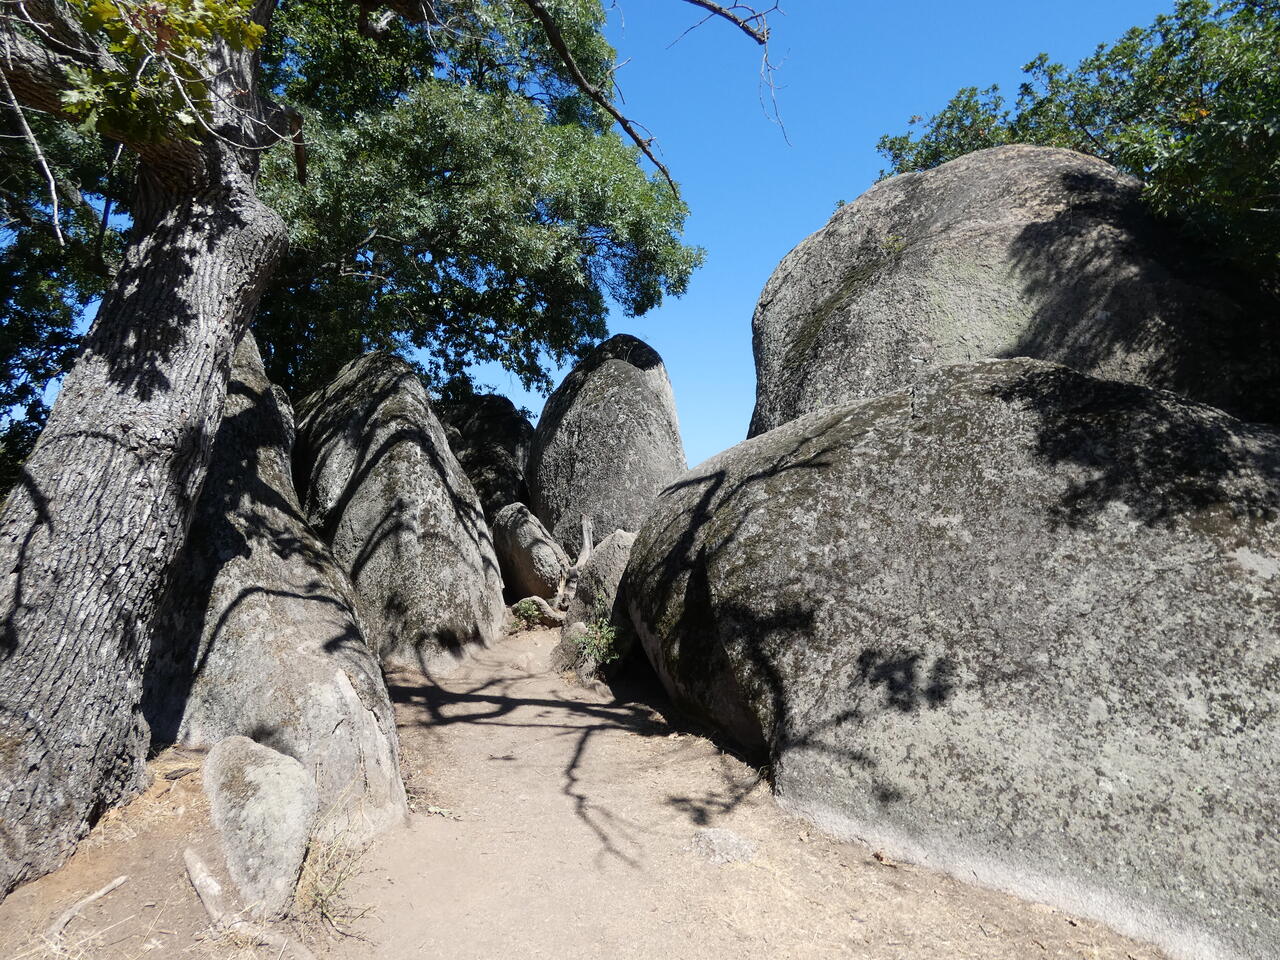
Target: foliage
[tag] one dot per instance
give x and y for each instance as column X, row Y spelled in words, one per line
column 463, row 198
column 45, row 285
column 527, row 614
column 1190, row 105
column 600, row 642
column 155, row 84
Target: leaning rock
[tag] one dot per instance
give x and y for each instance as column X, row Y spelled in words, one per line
column 599, row 581
column 386, row 492
column 1013, row 251
column 532, row 563
column 607, row 442
column 264, row 806
column 598, row 598
column 491, row 440
column 1013, row 622
column 258, row 633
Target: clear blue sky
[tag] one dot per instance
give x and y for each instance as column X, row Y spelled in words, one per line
column 850, row 71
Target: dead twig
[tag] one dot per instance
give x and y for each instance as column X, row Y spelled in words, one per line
column 54, row 933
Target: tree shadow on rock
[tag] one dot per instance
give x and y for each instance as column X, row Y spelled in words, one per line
column 1118, row 287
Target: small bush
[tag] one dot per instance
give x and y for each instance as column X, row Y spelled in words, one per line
column 527, row 613
column 600, row 642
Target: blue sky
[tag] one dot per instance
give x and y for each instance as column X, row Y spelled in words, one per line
column 850, row 71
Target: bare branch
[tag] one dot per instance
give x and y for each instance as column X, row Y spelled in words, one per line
column 752, row 22
column 558, row 44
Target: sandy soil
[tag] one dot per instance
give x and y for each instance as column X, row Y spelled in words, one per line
column 554, row 820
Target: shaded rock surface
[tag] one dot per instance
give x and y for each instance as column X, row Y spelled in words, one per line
column 491, row 440
column 385, row 491
column 607, row 442
column 599, row 596
column 1013, row 622
column 1008, row 252
column 258, row 633
column 264, row 805
column 533, row 564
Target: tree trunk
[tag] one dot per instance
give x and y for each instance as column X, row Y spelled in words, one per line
column 103, row 504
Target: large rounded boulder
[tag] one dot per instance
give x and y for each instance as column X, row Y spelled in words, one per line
column 491, row 440
column 1013, row 622
column 386, row 492
column 607, row 442
column 258, row 634
column 1009, row 252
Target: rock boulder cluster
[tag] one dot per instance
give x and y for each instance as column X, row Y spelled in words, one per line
column 994, row 584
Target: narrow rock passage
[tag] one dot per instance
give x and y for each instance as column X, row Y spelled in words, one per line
column 552, row 821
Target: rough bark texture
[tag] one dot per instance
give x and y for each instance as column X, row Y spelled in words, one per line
column 388, row 495
column 101, row 509
column 607, row 442
column 258, row 635
column 1013, row 622
column 1008, row 252
column 491, row 439
column 533, row 564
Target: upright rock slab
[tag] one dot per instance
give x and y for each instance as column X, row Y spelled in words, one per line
column 1012, row 622
column 258, row 635
column 491, row 440
column 1008, row 252
column 264, row 806
column 607, row 442
column 388, row 495
column 533, row 564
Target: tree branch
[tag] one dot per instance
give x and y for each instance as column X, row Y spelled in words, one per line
column 558, row 44
column 747, row 24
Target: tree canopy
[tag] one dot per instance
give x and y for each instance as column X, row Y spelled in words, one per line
column 1189, row 104
column 463, row 196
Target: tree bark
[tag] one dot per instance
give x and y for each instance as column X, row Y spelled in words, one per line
column 103, row 504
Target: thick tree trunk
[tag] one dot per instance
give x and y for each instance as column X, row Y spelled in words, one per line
column 103, row 506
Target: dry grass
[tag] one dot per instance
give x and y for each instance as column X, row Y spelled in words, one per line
column 335, row 858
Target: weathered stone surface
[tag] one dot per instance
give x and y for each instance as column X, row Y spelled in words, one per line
column 1013, row 622
column 491, row 439
column 1008, row 252
column 607, row 442
column 599, row 580
column 385, row 491
column 264, row 806
column 532, row 563
column 258, row 634
column 599, row 596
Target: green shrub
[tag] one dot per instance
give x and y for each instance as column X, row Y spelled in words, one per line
column 600, row 642
column 527, row 613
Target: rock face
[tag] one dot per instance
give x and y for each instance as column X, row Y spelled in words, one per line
column 607, row 442
column 532, row 563
column 385, row 491
column 258, row 634
column 598, row 596
column 491, row 439
column 599, row 580
column 264, row 806
column 1008, row 252
column 1013, row 622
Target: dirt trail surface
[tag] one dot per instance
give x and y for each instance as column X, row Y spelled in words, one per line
column 553, row 821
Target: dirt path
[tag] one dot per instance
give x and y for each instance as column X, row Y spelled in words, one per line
column 554, row 822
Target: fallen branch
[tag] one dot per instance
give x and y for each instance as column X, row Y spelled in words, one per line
column 54, row 933
column 210, row 893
